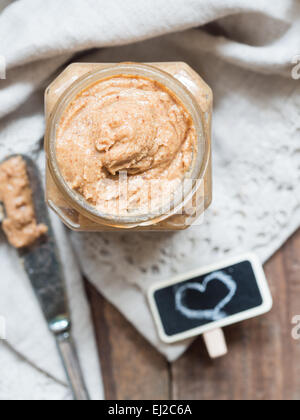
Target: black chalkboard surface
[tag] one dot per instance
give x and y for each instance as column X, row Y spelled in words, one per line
column 210, row 298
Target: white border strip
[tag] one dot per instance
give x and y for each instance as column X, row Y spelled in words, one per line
column 2, row 328
column 2, row 67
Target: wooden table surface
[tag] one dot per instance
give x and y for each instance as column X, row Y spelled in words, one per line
column 263, row 361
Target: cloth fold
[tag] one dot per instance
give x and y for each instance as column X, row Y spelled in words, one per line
column 256, row 156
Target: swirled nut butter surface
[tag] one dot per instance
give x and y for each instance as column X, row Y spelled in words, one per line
column 20, row 224
column 125, row 128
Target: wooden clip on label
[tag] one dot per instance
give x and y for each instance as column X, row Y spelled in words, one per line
column 215, row 343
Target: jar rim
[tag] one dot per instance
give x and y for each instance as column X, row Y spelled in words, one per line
column 199, row 165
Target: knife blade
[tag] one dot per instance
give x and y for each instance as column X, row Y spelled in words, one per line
column 42, row 264
column 41, row 260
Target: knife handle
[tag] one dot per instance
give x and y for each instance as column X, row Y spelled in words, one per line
column 71, row 364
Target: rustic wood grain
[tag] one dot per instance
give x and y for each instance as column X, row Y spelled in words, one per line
column 131, row 368
column 262, row 364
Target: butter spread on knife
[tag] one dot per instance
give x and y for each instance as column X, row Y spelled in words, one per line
column 20, row 225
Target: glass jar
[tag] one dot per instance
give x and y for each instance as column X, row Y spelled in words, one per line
column 193, row 93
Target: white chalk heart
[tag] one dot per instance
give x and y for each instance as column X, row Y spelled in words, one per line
column 215, row 313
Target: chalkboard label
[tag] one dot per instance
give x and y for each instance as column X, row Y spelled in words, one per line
column 210, row 298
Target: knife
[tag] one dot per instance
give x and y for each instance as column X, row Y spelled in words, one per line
column 42, row 264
